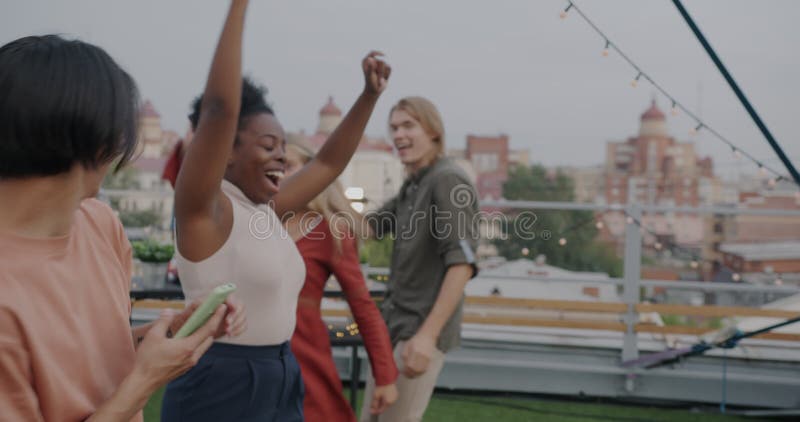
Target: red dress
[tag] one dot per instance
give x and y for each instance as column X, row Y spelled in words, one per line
column 324, row 400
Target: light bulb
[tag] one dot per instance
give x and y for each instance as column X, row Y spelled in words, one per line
column 736, row 277
column 674, row 108
column 525, row 251
column 694, row 264
column 599, row 225
column 761, row 170
column 563, row 14
column 629, row 220
column 736, row 153
column 658, row 245
column 635, row 81
column 562, row 241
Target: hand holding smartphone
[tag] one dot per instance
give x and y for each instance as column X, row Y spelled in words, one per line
column 206, row 309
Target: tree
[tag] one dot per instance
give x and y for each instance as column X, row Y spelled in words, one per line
column 580, row 253
column 143, row 218
column 377, row 252
column 125, row 178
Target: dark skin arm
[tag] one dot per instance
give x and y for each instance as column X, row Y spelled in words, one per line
column 200, row 206
column 297, row 190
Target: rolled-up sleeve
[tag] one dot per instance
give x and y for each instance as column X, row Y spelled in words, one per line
column 455, row 208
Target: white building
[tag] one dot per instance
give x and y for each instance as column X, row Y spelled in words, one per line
column 374, row 174
column 149, row 192
column 527, row 279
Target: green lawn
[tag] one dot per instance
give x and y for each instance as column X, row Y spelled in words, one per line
column 448, row 407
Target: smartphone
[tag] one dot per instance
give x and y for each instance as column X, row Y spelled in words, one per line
column 205, row 310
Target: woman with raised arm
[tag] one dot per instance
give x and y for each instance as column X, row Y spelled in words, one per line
column 228, row 206
column 67, row 350
column 327, row 233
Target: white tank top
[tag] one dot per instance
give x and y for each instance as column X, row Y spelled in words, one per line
column 261, row 258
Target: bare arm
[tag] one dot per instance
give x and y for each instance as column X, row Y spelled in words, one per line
column 233, row 325
column 197, row 190
column 158, row 360
column 138, row 333
column 127, row 400
column 420, row 348
column 333, row 157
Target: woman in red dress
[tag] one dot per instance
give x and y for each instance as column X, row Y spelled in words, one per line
column 326, row 235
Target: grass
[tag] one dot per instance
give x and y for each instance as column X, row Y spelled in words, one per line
column 450, row 407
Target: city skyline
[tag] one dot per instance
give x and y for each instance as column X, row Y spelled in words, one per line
column 513, row 68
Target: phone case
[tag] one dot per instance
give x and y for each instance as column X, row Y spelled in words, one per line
column 205, row 310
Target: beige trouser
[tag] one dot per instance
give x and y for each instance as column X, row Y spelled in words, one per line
column 415, row 393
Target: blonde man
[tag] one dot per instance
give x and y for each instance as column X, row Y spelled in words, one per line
column 431, row 220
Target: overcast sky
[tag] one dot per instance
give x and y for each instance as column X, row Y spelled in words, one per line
column 509, row 66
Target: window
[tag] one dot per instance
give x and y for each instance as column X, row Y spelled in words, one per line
column 485, row 162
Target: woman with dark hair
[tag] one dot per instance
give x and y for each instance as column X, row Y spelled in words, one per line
column 228, row 208
column 327, row 233
column 67, row 351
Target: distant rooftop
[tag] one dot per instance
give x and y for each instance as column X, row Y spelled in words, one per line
column 763, row 251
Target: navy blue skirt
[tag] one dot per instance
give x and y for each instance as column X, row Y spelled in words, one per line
column 237, row 383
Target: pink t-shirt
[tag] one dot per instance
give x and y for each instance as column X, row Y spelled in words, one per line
column 65, row 338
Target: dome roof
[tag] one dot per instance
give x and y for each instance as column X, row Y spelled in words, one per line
column 330, row 109
column 148, row 110
column 653, row 113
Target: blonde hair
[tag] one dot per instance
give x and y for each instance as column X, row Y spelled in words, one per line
column 333, row 205
column 427, row 115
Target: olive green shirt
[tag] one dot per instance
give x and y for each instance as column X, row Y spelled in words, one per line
column 433, row 221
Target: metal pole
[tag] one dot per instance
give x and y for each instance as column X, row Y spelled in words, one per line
column 735, row 87
column 724, row 380
column 355, row 374
column 630, row 292
column 632, row 274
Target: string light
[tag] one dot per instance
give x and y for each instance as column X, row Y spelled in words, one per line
column 695, row 261
column 674, row 108
column 563, row 14
column 736, row 277
column 736, row 153
column 772, row 182
column 599, row 225
column 635, row 81
column 629, row 220
column 641, row 74
column 525, row 251
column 605, row 50
column 562, row 241
column 696, row 129
column 762, row 170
